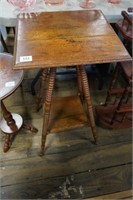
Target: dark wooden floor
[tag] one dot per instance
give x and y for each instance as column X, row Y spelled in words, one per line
column 72, row 167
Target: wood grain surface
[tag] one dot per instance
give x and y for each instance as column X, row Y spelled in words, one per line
column 56, row 39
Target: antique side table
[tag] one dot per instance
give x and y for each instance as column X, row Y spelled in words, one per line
column 11, row 123
column 64, row 39
column 10, row 81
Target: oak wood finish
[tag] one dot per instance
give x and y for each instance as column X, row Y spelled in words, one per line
column 56, row 39
column 47, row 102
column 69, row 38
column 64, row 114
column 83, row 84
column 39, row 98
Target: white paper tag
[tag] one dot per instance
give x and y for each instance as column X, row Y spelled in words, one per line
column 25, row 58
column 10, row 84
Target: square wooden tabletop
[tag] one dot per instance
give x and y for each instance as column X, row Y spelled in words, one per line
column 66, row 38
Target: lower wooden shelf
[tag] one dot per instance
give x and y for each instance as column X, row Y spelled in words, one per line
column 66, row 113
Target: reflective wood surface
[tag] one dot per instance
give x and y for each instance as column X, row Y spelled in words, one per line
column 66, row 38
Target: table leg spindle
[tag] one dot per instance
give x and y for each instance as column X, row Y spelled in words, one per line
column 39, row 98
column 80, row 88
column 47, row 102
column 86, row 91
column 11, row 123
column 8, row 117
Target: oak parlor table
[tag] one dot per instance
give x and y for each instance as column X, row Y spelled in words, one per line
column 63, row 39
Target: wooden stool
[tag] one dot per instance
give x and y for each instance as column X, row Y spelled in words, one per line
column 84, row 92
column 10, row 81
column 117, row 113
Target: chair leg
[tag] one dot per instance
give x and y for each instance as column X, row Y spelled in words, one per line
column 47, row 103
column 119, row 105
column 112, row 84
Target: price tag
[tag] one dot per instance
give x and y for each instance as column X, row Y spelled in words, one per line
column 10, row 84
column 25, row 58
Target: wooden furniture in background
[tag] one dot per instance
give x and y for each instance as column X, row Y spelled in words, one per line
column 124, row 28
column 10, row 81
column 117, row 110
column 118, row 114
column 69, row 38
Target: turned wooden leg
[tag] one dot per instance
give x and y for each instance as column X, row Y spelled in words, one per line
column 8, row 118
column 80, row 89
column 6, row 146
column 125, row 92
column 8, row 126
column 86, row 91
column 39, row 97
column 30, row 128
column 47, row 108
